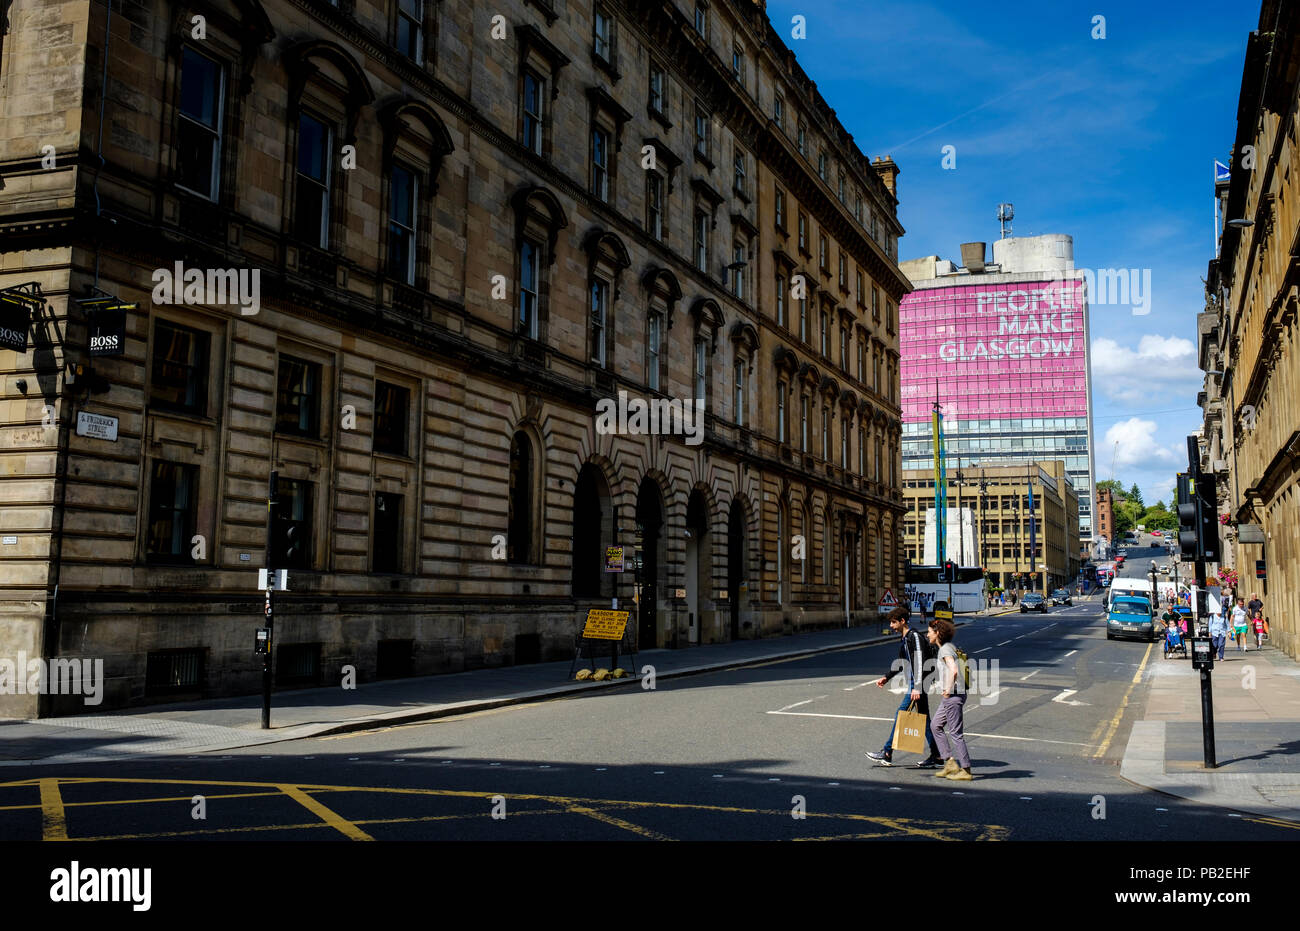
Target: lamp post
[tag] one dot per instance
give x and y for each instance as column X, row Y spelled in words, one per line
column 1015, row 510
column 961, row 520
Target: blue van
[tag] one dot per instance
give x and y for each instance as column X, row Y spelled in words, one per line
column 1130, row 616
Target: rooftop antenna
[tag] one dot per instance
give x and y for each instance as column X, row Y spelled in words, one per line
column 1006, row 213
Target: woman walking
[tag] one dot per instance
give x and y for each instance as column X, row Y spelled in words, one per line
column 948, row 725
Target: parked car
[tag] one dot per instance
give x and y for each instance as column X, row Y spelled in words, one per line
column 1033, row 602
column 1061, row 597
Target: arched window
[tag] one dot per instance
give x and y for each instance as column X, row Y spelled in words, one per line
column 327, row 89
column 415, row 144
column 519, row 544
column 538, row 222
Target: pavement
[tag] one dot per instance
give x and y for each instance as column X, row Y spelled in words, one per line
column 231, row 723
column 1256, row 701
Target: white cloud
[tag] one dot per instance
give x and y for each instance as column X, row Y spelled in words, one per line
column 1162, row 366
column 1137, row 447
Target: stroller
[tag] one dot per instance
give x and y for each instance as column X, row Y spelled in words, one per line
column 1174, row 642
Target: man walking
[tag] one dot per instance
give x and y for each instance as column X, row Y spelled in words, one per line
column 1239, row 624
column 912, row 654
column 1218, row 632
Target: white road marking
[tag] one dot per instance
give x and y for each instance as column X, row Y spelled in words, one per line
column 988, row 699
column 1064, row 698
column 863, row 717
column 1005, row 642
column 858, row 686
column 1031, row 675
column 1071, row 653
column 981, row 651
column 807, row 701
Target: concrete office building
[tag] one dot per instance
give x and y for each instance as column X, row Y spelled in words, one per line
column 1003, row 347
column 998, row 498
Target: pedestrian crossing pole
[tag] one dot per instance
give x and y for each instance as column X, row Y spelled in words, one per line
column 270, row 586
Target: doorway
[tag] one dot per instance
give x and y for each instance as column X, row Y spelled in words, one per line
column 649, row 530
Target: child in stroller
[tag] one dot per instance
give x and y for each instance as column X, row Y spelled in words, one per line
column 1174, row 635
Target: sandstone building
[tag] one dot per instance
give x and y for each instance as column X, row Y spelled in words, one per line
column 1250, row 442
column 397, row 252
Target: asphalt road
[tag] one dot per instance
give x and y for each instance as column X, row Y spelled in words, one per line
column 728, row 755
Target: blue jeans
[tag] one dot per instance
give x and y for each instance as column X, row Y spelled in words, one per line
column 922, row 706
column 1219, row 641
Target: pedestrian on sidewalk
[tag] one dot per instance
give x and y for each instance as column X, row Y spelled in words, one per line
column 948, row 725
column 912, row 654
column 1254, row 604
column 1258, row 623
column 1239, row 622
column 1218, row 632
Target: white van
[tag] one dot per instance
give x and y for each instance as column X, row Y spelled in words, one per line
column 1124, row 585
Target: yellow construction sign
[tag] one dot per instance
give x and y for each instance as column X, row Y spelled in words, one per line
column 605, row 625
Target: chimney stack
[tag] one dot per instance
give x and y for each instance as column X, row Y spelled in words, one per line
column 888, row 171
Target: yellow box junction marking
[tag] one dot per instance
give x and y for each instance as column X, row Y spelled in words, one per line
column 597, row 809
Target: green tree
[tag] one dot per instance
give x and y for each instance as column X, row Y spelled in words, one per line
column 1128, row 515
column 1159, row 517
column 1114, row 487
column 1135, row 493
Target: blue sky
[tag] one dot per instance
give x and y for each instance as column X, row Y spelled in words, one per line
column 1109, row 140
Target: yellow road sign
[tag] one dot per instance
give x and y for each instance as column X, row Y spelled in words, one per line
column 605, row 625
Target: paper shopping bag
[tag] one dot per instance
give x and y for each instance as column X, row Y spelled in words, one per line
column 909, row 731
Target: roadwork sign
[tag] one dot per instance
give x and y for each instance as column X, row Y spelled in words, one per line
column 887, row 602
column 605, row 625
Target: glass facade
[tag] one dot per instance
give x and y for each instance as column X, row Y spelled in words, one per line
column 1008, row 362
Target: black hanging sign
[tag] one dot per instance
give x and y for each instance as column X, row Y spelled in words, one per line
column 15, row 319
column 106, row 322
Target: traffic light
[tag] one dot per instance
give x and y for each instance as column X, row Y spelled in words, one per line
column 1207, row 517
column 291, row 547
column 1188, row 518
column 949, row 571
